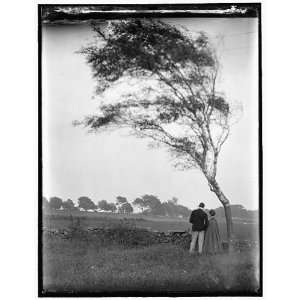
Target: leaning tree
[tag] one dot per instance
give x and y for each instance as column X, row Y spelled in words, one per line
column 172, row 96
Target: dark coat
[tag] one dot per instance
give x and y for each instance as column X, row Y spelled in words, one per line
column 212, row 241
column 199, row 220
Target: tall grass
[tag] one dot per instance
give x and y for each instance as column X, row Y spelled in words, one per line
column 77, row 265
column 126, row 258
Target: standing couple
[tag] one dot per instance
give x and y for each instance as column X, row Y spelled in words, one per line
column 205, row 229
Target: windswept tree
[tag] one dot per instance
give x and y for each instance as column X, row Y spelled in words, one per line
column 175, row 101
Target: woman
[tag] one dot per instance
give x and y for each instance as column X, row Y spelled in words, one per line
column 212, row 242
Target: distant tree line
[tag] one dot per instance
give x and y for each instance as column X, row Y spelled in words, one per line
column 146, row 204
column 238, row 211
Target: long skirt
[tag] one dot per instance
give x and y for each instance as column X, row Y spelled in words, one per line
column 212, row 241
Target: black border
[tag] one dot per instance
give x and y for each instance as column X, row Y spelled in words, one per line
column 253, row 11
column 260, row 150
column 40, row 157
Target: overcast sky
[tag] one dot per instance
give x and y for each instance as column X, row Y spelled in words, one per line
column 106, row 165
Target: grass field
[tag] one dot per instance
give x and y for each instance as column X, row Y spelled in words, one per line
column 61, row 219
column 72, row 266
column 80, row 264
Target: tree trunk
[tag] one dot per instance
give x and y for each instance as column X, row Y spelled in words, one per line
column 229, row 225
column 226, row 204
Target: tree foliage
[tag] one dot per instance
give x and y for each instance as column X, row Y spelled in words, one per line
column 86, row 203
column 139, row 203
column 152, row 205
column 69, row 204
column 55, row 202
column 111, row 207
column 125, row 208
column 104, row 205
column 177, row 104
column 173, row 209
column 121, row 200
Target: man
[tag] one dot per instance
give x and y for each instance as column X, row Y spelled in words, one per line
column 199, row 222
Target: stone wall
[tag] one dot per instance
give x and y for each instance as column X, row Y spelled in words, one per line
column 138, row 237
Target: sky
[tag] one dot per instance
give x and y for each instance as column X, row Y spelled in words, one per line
column 106, row 165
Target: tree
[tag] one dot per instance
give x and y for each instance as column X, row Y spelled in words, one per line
column 183, row 211
column 170, row 208
column 139, row 203
column 125, row 208
column 121, row 200
column 111, row 207
column 153, row 205
column 68, row 204
column 86, row 203
column 149, row 204
column 175, row 103
column 104, row 205
column 55, row 203
column 46, row 205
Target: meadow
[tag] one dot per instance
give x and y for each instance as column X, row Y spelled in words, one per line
column 61, row 219
column 87, row 264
